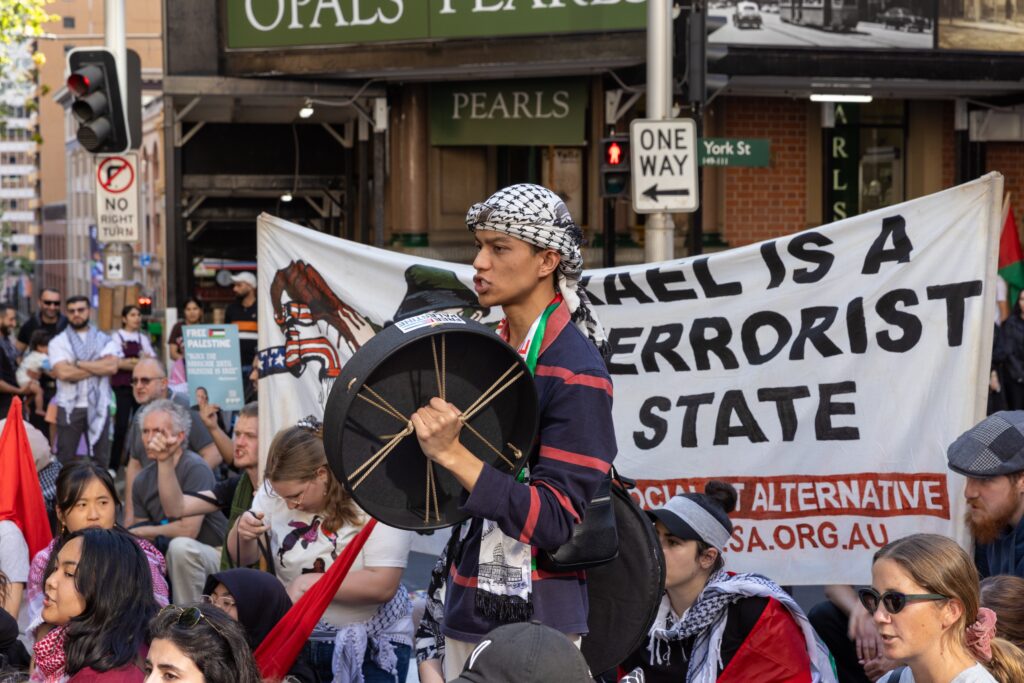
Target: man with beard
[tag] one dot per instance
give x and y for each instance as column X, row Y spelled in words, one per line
column 242, row 313
column 48, row 318
column 83, row 359
column 9, row 361
column 991, row 456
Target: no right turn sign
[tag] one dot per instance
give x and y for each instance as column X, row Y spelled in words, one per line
column 117, row 198
column 664, row 165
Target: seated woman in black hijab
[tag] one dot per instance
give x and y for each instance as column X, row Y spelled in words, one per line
column 256, row 600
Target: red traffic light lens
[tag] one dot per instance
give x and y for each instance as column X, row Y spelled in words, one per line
column 78, row 83
column 613, row 154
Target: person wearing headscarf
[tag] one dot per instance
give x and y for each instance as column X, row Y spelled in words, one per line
column 715, row 625
column 257, row 600
column 529, row 262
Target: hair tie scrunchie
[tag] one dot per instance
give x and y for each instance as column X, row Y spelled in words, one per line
column 980, row 635
column 311, row 424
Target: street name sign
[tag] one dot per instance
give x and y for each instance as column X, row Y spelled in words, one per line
column 733, row 152
column 117, row 198
column 664, row 165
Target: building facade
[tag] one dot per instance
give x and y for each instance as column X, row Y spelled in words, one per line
column 388, row 119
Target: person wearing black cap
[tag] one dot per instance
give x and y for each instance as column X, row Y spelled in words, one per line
column 714, row 625
column 991, row 456
column 525, row 653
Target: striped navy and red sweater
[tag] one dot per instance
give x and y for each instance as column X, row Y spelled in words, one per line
column 576, row 448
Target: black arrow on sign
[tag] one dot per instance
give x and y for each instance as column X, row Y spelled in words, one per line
column 653, row 192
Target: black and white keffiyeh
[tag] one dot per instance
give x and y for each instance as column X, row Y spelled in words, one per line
column 91, row 348
column 705, row 622
column 539, row 217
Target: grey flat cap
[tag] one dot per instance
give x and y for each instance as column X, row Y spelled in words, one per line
column 990, row 448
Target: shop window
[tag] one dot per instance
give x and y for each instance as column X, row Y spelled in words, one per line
column 865, row 154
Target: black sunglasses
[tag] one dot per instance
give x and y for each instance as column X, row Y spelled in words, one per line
column 188, row 617
column 50, row 303
column 894, row 601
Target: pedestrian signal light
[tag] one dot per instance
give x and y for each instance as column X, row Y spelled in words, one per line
column 615, row 166
column 614, row 154
column 146, row 305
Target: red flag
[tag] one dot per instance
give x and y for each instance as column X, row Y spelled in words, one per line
column 21, row 499
column 1011, row 257
column 281, row 647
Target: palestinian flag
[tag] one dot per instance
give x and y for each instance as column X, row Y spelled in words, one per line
column 1011, row 257
column 220, row 334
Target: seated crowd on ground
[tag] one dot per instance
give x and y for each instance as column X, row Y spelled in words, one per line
column 193, row 573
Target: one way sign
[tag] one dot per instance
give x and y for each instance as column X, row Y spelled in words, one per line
column 664, row 165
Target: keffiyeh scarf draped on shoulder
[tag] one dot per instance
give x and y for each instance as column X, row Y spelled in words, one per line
column 91, row 348
column 705, row 622
column 539, row 217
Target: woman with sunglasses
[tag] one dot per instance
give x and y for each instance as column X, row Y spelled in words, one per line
column 198, row 644
column 924, row 598
column 87, row 499
column 257, row 600
column 99, row 599
column 716, row 626
column 310, row 518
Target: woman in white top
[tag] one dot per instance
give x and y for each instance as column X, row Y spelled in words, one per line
column 310, row 518
column 924, row 598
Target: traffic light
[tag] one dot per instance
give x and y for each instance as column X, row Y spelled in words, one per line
column 694, row 56
column 615, row 166
column 146, row 305
column 109, row 121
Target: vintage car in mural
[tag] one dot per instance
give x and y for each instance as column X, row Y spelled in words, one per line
column 902, row 19
column 747, row 15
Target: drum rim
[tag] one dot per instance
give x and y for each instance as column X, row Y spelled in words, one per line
column 334, row 428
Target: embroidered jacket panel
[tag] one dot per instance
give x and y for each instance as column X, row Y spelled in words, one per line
column 575, row 451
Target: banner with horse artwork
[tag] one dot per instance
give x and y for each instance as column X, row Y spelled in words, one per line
column 823, row 373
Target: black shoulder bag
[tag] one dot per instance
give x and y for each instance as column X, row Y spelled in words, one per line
column 595, row 539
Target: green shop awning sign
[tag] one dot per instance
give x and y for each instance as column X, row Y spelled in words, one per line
column 518, row 112
column 750, row 152
column 288, row 23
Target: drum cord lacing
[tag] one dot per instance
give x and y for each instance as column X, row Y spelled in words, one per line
column 440, row 372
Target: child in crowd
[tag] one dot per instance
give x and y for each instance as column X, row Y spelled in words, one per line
column 33, row 365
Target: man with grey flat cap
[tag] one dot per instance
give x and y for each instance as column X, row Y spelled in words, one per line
column 991, row 456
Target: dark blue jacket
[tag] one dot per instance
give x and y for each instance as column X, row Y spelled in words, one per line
column 1005, row 555
column 577, row 445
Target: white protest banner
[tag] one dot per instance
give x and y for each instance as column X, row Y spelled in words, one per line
column 823, row 373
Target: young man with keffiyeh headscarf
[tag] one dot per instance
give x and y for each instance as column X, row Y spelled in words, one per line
column 529, row 262
column 83, row 359
column 716, row 626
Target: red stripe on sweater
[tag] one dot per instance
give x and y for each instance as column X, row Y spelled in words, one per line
column 531, row 517
column 572, row 378
column 561, row 498
column 574, row 458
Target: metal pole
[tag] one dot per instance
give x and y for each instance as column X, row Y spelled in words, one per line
column 658, row 231
column 114, row 26
column 378, row 189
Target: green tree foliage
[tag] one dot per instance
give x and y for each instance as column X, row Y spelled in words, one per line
column 22, row 20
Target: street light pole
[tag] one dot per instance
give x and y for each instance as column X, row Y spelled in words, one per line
column 116, row 34
column 659, row 229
